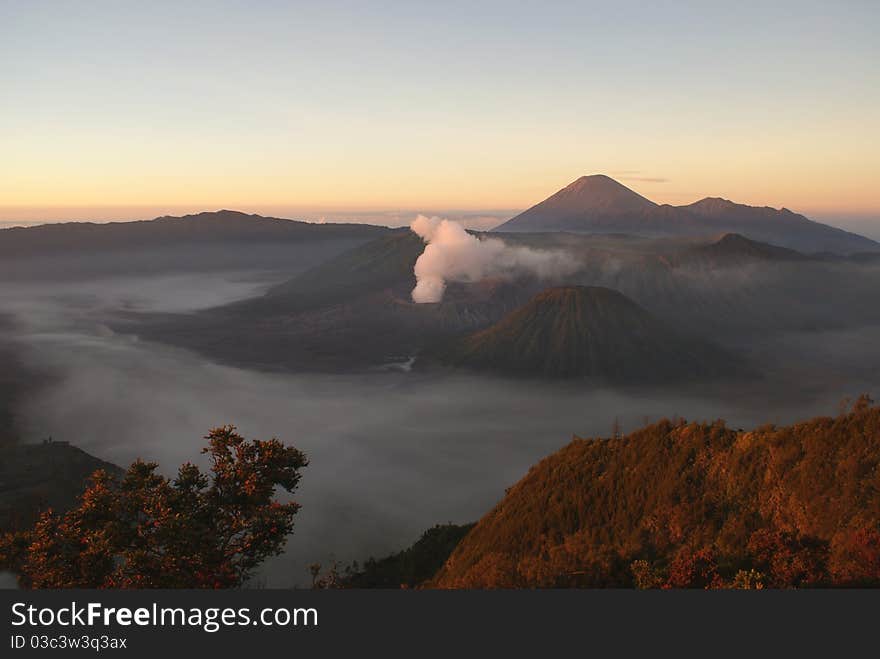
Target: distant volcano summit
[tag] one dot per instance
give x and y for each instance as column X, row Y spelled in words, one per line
column 599, row 204
column 599, row 194
column 586, row 331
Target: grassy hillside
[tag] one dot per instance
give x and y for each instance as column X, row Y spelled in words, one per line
column 689, row 504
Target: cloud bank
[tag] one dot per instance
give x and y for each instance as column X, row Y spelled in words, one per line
column 452, row 254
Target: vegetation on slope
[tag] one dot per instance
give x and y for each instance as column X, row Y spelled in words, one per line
column 680, row 504
column 413, row 565
column 146, row 531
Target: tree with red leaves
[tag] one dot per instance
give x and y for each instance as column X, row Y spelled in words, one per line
column 147, row 531
column 694, row 569
column 857, row 561
column 788, row 559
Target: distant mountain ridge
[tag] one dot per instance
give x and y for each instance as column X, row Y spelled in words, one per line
column 599, row 204
column 208, row 227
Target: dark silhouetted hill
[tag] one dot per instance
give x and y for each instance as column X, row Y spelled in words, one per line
column 35, row 477
column 412, row 566
column 735, row 249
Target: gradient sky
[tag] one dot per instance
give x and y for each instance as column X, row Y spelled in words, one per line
column 131, row 109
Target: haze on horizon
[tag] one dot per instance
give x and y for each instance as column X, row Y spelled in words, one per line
column 121, row 111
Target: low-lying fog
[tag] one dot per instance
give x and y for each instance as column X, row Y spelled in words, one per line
column 391, row 453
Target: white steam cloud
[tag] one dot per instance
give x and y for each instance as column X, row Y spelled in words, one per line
column 452, row 254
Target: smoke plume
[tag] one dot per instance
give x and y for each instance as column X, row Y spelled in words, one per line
column 452, row 254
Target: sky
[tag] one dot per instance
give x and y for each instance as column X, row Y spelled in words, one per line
column 123, row 110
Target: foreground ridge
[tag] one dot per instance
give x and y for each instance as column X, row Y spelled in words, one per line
column 679, row 504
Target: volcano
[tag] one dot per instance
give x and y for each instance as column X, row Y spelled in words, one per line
column 587, row 331
column 599, row 204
